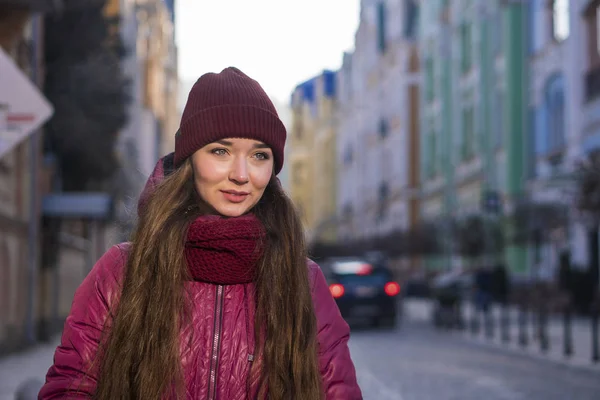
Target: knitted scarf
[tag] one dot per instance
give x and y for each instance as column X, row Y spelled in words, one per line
column 224, row 251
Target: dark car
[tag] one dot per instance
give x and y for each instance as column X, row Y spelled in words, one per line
column 363, row 290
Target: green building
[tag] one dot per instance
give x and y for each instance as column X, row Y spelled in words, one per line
column 473, row 112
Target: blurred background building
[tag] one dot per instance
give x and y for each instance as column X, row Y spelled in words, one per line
column 20, row 160
column 57, row 220
column 469, row 118
column 378, row 116
column 454, row 135
column 148, row 32
column 313, row 153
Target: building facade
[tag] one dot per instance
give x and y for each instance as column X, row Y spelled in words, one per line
column 22, row 182
column 300, row 161
column 378, row 113
column 474, row 119
column 324, row 158
column 285, row 115
column 582, row 106
column 311, row 155
column 551, row 149
column 154, row 114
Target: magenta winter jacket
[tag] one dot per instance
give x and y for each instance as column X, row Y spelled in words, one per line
column 215, row 363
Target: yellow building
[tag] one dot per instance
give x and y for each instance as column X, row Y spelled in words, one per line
column 301, row 143
column 156, row 43
column 147, row 27
column 313, row 183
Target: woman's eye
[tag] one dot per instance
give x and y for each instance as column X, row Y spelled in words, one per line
column 262, row 156
column 219, row 152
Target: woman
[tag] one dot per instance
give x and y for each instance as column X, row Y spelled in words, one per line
column 213, row 298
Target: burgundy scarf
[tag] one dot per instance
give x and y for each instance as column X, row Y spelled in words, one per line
column 224, row 251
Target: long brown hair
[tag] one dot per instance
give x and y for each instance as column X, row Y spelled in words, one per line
column 140, row 356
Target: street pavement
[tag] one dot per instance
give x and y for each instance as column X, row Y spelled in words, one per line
column 32, row 364
column 415, row 362
column 581, row 332
column 411, row 362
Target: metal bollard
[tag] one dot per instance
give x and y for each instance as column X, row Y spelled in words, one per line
column 567, row 333
column 523, row 340
column 474, row 322
column 595, row 346
column 489, row 323
column 542, row 329
column 505, row 323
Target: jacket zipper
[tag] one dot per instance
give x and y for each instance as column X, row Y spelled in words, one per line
column 216, row 343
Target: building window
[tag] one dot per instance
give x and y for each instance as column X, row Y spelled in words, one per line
column 466, row 47
column 384, row 193
column 411, row 11
column 348, row 155
column 468, row 143
column 592, row 77
column 429, row 80
column 347, row 210
column 555, row 105
column 496, row 29
column 383, row 128
column 298, row 174
column 298, row 127
column 531, row 144
column 381, row 28
column 430, row 149
column 433, row 153
column 498, row 118
column 427, row 156
column 596, row 29
column 537, row 21
column 560, row 19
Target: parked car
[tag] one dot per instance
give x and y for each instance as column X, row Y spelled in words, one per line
column 363, row 290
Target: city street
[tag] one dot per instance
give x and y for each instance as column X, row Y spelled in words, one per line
column 414, row 362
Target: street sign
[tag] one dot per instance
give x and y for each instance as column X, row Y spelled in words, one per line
column 23, row 109
column 491, row 202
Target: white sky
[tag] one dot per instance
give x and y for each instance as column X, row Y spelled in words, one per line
column 280, row 43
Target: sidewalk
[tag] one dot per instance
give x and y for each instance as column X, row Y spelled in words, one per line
column 20, row 367
column 420, row 310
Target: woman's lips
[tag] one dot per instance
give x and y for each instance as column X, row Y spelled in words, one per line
column 234, row 196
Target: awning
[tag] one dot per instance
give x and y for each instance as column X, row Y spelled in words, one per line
column 92, row 205
column 23, row 108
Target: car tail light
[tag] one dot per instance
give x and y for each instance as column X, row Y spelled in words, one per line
column 337, row 290
column 391, row 288
column 364, row 269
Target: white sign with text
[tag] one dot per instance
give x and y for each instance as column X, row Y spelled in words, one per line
column 23, row 108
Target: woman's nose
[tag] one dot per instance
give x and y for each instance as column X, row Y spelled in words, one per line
column 239, row 171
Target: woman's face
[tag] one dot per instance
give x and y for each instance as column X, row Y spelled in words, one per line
column 231, row 174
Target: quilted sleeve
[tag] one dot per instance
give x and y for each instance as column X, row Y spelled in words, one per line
column 333, row 333
column 74, row 371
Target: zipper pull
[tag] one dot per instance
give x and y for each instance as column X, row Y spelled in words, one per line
column 250, row 357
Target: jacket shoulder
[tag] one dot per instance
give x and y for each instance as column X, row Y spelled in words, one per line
column 313, row 271
column 113, row 260
column 107, row 274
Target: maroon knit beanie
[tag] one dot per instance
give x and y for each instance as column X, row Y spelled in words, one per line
column 228, row 105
